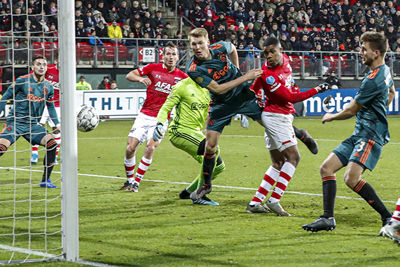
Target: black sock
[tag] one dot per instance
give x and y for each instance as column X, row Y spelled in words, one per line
column 49, row 159
column 219, row 160
column 298, row 133
column 329, row 193
column 367, row 192
column 208, row 167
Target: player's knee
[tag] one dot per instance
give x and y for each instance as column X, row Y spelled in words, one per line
column 3, row 149
column 51, row 144
column 211, row 148
column 150, row 148
column 294, row 159
column 350, row 181
column 130, row 149
column 278, row 164
column 324, row 170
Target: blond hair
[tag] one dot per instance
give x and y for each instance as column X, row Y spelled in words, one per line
column 198, row 32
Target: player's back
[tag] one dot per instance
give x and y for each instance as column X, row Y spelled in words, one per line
column 373, row 96
column 220, row 69
column 192, row 110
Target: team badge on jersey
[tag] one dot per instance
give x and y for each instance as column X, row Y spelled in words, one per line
column 270, row 80
column 199, row 80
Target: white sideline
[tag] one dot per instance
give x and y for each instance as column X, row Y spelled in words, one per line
column 186, row 183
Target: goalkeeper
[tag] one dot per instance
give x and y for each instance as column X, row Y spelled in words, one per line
column 192, row 103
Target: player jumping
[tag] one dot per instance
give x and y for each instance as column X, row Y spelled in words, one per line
column 276, row 84
column 31, row 93
column 160, row 79
column 362, row 149
column 191, row 102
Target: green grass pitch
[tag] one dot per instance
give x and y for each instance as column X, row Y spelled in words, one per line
column 155, row 228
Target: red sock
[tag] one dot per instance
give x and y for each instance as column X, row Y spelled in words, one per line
column 270, row 177
column 130, row 165
column 142, row 168
column 285, row 176
column 396, row 213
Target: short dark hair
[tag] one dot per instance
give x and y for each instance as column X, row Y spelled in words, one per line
column 376, row 40
column 38, row 57
column 171, row 45
column 271, row 41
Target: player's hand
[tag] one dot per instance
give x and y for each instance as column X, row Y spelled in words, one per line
column 323, row 87
column 327, row 117
column 253, row 74
column 159, row 132
column 145, row 81
column 57, row 129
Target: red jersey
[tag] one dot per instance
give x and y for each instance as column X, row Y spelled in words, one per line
column 279, row 88
column 161, row 83
column 52, row 76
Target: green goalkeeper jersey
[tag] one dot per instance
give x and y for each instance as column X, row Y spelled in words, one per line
column 191, row 102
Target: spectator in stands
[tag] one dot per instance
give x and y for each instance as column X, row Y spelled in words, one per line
column 295, row 43
column 396, row 45
column 147, row 18
column 114, row 31
column 126, row 29
column 113, row 14
column 252, row 54
column 209, row 26
column 242, row 40
column 333, row 80
column 103, row 9
column 114, row 85
column 78, row 15
column 292, row 14
column 169, row 29
column 89, row 21
column 105, row 83
column 98, row 17
column 391, row 34
column 123, row 12
column 221, row 20
column 251, row 16
column 303, row 20
column 159, row 20
column 220, row 33
column 305, row 44
column 83, row 84
column 19, row 17
column 132, row 45
column 102, row 32
column 135, row 7
column 333, row 18
column 81, row 33
column 146, row 42
column 240, row 15
column 79, row 6
column 148, row 29
column 285, row 43
column 262, row 41
column 197, row 16
column 95, row 40
column 137, row 29
column 220, row 6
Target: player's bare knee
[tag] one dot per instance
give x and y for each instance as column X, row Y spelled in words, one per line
column 211, row 148
column 130, row 150
column 150, row 148
column 3, row 149
column 294, row 159
column 324, row 170
column 350, row 181
column 278, row 164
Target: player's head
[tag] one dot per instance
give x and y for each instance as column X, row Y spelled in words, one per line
column 273, row 51
column 373, row 47
column 39, row 65
column 199, row 42
column 171, row 55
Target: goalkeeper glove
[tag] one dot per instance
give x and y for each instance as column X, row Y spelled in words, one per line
column 323, row 87
column 158, row 132
column 244, row 122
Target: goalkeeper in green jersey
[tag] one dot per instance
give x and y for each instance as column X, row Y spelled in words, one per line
column 192, row 103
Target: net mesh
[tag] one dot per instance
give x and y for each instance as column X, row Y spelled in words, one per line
column 30, row 216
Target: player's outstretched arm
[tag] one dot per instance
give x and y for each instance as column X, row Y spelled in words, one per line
column 223, row 88
column 134, row 76
column 345, row 114
column 391, row 95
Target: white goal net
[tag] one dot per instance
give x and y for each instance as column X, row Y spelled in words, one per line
column 32, row 214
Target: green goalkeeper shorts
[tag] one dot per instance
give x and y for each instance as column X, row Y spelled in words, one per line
column 187, row 140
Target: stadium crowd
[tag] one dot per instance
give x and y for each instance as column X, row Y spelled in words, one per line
column 300, row 25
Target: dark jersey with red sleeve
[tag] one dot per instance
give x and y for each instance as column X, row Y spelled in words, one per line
column 162, row 81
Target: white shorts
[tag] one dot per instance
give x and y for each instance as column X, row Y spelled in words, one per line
column 46, row 117
column 143, row 128
column 279, row 133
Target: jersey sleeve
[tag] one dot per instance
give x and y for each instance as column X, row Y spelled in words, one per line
column 146, row 70
column 200, row 76
column 368, row 91
column 172, row 100
column 271, row 84
column 225, row 47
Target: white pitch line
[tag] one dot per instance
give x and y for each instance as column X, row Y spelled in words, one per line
column 28, row 251
column 185, row 183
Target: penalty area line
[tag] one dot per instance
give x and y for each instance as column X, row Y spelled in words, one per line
column 186, row 183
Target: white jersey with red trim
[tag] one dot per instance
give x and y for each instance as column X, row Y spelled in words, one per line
column 276, row 77
column 161, row 84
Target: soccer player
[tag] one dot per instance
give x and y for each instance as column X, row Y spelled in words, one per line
column 362, row 149
column 159, row 81
column 392, row 229
column 191, row 102
column 31, row 93
column 276, row 84
column 211, row 68
column 52, row 75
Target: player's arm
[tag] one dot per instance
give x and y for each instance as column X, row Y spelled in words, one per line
column 134, row 76
column 172, row 100
column 223, row 88
column 350, row 110
column 391, row 95
column 233, row 56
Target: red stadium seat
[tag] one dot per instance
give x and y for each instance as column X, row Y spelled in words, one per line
column 84, row 51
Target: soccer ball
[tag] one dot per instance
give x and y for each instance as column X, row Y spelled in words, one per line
column 87, row 119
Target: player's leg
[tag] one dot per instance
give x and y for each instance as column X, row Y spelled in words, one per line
column 35, row 148
column 8, row 136
column 269, row 180
column 130, row 162
column 306, row 138
column 365, row 155
column 328, row 169
column 392, row 229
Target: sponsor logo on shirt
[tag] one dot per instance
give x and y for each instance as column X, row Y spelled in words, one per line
column 219, row 74
column 163, row 87
column 270, row 80
column 198, row 106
